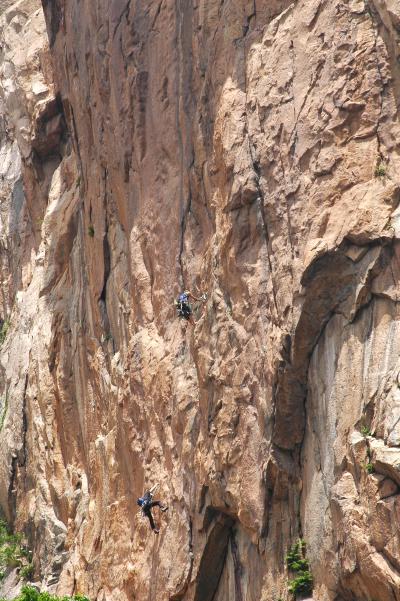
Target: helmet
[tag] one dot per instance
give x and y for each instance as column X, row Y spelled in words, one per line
column 140, row 502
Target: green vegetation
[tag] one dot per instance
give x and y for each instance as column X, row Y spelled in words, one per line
column 369, row 468
column 302, row 584
column 380, row 169
column 365, row 431
column 4, row 330
column 91, row 231
column 29, row 593
column 296, row 561
column 13, row 554
column 27, row 572
column 4, row 412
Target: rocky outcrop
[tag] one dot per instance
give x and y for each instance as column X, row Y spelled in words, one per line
column 244, row 149
column 32, row 144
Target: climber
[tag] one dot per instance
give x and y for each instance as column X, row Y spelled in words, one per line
column 183, row 306
column 146, row 503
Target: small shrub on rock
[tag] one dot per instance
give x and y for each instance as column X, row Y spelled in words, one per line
column 296, row 561
column 12, row 552
column 365, row 431
column 295, row 554
column 3, row 330
column 26, row 572
column 30, row 593
column 380, row 170
column 369, row 468
column 302, row 584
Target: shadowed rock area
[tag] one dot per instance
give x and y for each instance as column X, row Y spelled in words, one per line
column 248, row 150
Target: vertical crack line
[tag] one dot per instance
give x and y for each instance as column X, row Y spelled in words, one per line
column 69, row 111
column 123, row 13
column 267, row 244
column 11, row 491
column 375, row 30
column 178, row 122
column 18, row 458
column 206, row 204
column 258, row 184
column 24, row 423
column 191, row 556
column 286, row 202
column 291, row 54
column 237, row 568
column 186, row 210
column 313, row 83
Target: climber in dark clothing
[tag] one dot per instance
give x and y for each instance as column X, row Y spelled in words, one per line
column 146, row 503
column 183, row 306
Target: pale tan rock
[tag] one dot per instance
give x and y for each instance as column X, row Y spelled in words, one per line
column 386, row 460
column 230, row 148
column 388, row 488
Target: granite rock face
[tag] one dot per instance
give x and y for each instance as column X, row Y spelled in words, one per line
column 249, row 150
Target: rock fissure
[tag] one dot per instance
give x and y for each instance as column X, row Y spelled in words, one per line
column 383, row 84
column 124, row 13
column 237, row 568
column 233, row 143
column 260, row 198
column 213, row 558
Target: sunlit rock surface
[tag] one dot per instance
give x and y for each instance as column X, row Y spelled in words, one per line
column 249, row 150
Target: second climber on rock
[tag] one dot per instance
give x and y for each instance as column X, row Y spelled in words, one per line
column 183, row 306
column 146, row 504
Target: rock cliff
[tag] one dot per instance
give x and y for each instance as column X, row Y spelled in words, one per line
column 241, row 148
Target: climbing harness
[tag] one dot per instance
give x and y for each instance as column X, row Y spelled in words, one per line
column 183, row 306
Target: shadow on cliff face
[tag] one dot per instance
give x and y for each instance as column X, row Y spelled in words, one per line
column 334, row 283
column 230, row 566
column 220, row 556
column 214, row 556
column 55, row 18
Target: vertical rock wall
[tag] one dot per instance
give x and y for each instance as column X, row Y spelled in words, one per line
column 244, row 149
column 33, row 142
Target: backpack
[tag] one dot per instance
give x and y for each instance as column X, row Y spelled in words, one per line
column 184, row 309
column 145, row 501
column 183, row 298
column 183, row 306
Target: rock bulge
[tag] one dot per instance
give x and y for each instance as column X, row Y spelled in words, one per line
column 249, row 150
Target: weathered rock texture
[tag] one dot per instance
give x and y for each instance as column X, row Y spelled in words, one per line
column 248, row 149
